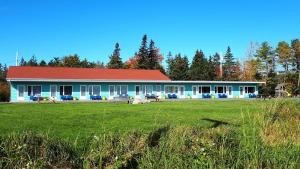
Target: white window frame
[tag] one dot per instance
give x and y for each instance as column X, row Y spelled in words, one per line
column 159, row 88
column 86, row 92
column 55, row 91
column 64, row 89
column 135, row 93
column 200, row 92
column 243, row 92
column 248, row 89
column 179, row 93
column 31, row 94
column 196, row 90
column 114, row 91
column 116, row 86
column 92, row 86
column 146, row 87
column 224, row 89
column 18, row 93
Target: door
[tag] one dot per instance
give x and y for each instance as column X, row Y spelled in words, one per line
column 21, row 90
column 242, row 93
column 53, row 91
column 83, row 92
column 158, row 91
column 229, row 91
column 181, row 92
column 194, row 91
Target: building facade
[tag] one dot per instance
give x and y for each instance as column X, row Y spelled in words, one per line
column 94, row 84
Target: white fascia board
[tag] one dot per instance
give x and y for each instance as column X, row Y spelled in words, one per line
column 128, row 81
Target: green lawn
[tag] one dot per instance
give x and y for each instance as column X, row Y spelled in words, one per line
column 71, row 120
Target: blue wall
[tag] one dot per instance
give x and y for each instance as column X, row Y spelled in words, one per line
column 131, row 89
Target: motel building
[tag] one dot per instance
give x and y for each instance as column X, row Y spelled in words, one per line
column 28, row 84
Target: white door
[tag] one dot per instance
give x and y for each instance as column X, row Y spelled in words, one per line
column 21, row 90
column 53, row 91
column 158, row 91
column 83, row 92
column 181, row 92
column 111, row 92
column 194, row 91
column 242, row 91
column 138, row 92
column 229, row 91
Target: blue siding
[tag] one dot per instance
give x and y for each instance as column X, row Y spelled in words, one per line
column 131, row 89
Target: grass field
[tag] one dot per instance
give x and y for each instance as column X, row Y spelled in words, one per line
column 71, row 120
column 178, row 134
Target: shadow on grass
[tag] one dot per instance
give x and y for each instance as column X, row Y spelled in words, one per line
column 216, row 123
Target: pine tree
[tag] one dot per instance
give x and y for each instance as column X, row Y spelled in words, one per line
column 178, row 67
column 211, row 69
column 142, row 57
column 153, row 56
column 284, row 55
column 266, row 58
column 217, row 68
column 115, row 59
column 229, row 66
column 22, row 62
column 199, row 67
column 56, row 61
column 32, row 61
column 43, row 63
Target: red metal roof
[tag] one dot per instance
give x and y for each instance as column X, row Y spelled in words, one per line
column 36, row 72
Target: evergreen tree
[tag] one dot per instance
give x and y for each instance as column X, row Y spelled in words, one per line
column 178, row 67
column 211, row 69
column 115, row 59
column 22, row 62
column 229, row 67
column 266, row 58
column 199, row 67
column 296, row 56
column 142, row 57
column 43, row 63
column 153, row 62
column 55, row 62
column 32, row 61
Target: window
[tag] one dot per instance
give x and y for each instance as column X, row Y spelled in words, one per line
column 121, row 89
column 21, row 91
column 219, row 89
column 181, row 90
column 34, row 90
column 83, row 91
column 137, row 90
column 205, row 89
column 52, row 91
column 229, row 90
column 200, row 89
column 111, row 90
column 171, row 89
column 241, row 90
column 249, row 89
column 95, row 90
column 148, row 89
column 176, row 89
column 194, row 90
column 158, row 88
column 65, row 90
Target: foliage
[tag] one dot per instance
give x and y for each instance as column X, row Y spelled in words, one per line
column 115, row 61
column 178, row 68
column 199, row 67
column 284, row 55
column 231, row 68
column 266, row 58
column 4, row 91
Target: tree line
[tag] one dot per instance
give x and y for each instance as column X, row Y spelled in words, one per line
column 280, row 64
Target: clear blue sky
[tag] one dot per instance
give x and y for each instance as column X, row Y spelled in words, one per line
column 90, row 28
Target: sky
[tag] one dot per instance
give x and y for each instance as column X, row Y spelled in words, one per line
column 90, row 28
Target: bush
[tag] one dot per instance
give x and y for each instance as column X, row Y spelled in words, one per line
column 4, row 92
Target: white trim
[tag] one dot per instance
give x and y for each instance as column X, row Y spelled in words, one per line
column 243, row 92
column 21, row 98
column 55, row 91
column 32, row 89
column 64, row 89
column 114, row 92
column 129, row 80
column 179, row 93
column 88, row 89
column 140, row 92
column 202, row 87
column 86, row 92
column 229, row 96
column 195, row 95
